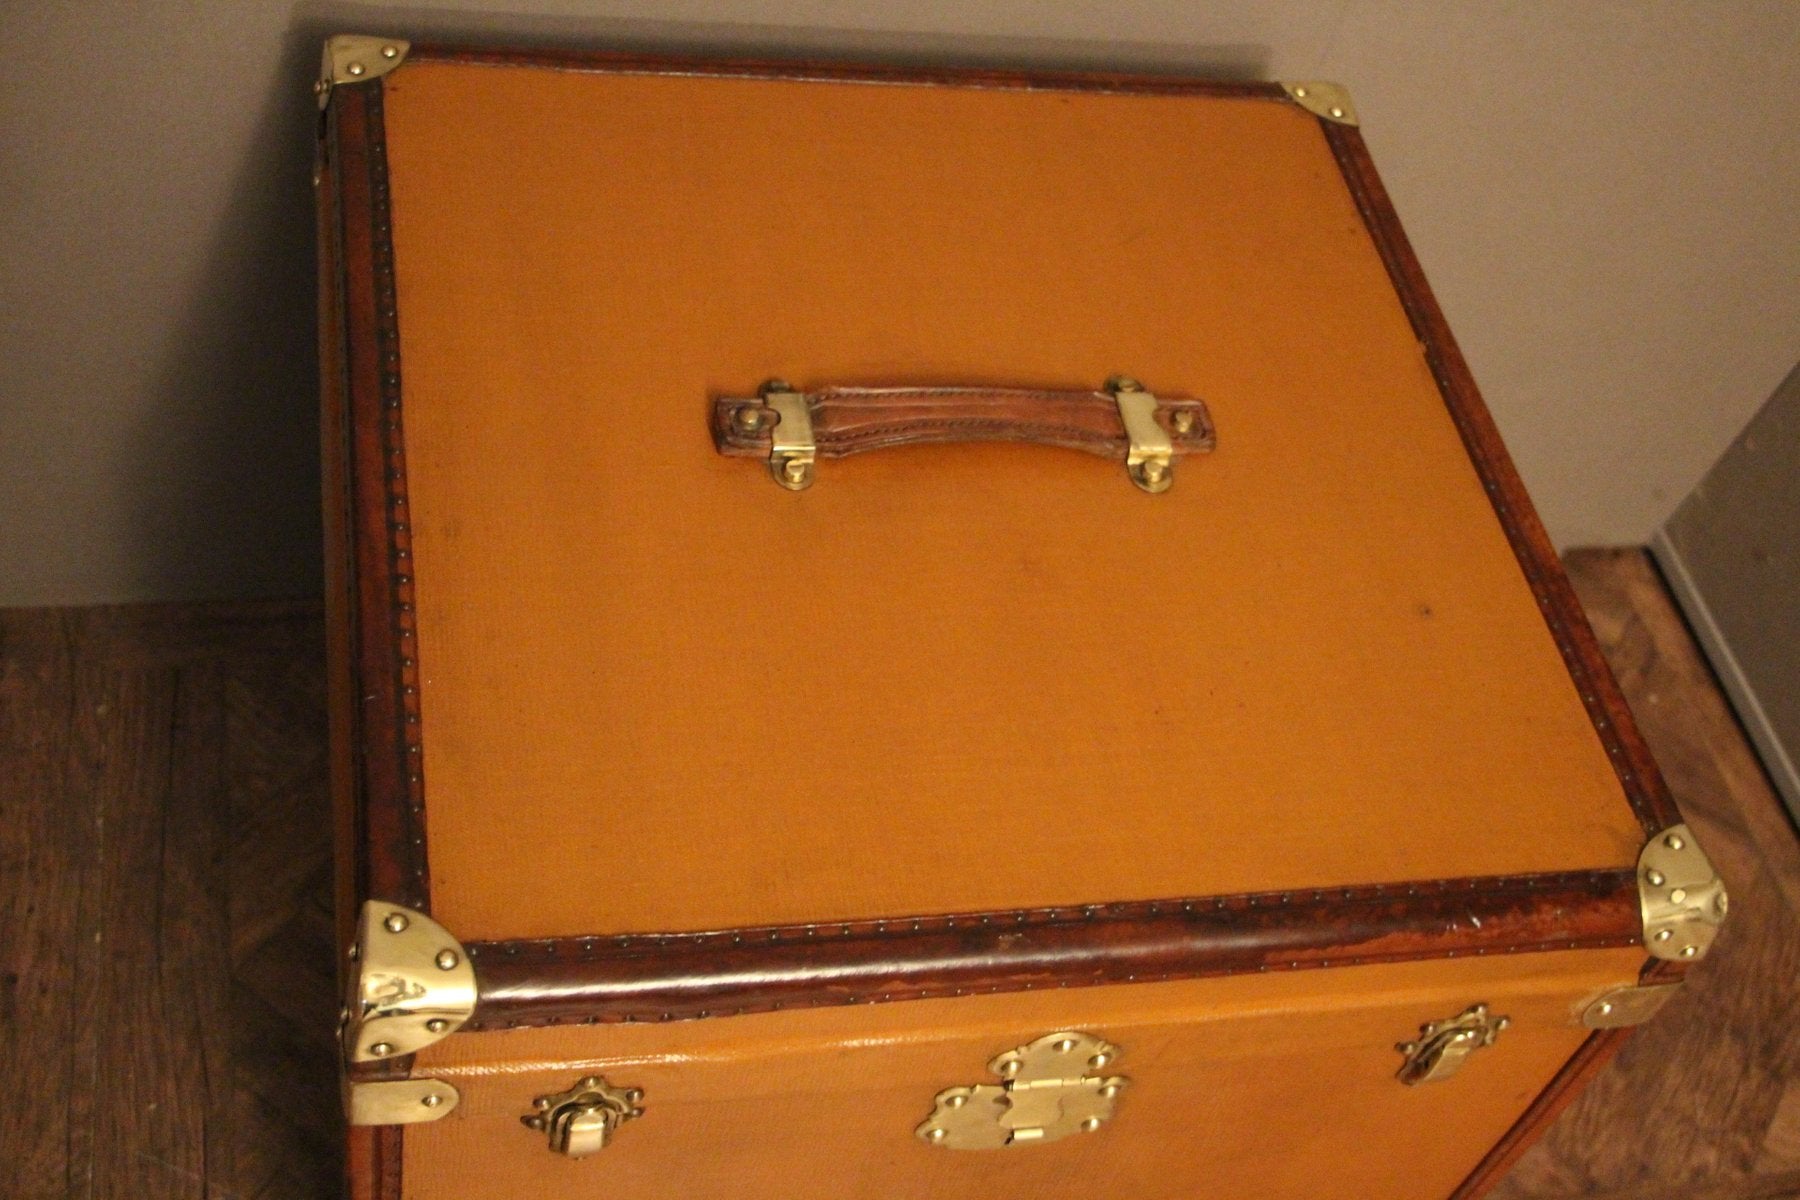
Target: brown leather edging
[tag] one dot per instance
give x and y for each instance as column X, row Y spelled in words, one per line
column 389, row 770
column 812, row 70
column 665, row 977
column 1637, row 771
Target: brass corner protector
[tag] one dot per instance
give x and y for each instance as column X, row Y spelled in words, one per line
column 411, row 984
column 1682, row 898
column 1632, row 1004
column 1329, row 101
column 357, row 58
column 398, row 1101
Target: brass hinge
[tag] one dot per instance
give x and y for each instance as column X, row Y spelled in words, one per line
column 356, row 58
column 411, row 984
column 1632, row 1004
column 1682, row 897
column 1328, row 100
column 1050, row 1091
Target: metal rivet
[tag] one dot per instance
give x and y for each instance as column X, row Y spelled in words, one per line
column 1154, row 470
column 354, row 68
column 956, row 1101
column 592, row 1081
column 1674, row 841
column 319, row 86
column 795, row 470
column 1091, row 1124
column 936, row 1135
column 1678, row 896
column 1653, row 877
column 437, row 1025
column 1300, row 92
column 1124, row 383
column 749, row 418
column 534, row 1122
column 1606, row 1006
column 633, row 1113
column 1663, row 935
column 381, row 1049
column 396, row 923
column 1689, row 951
column 1183, row 421
column 776, row 385
column 1099, row 1060
column 1009, row 1069
column 1066, row 1045
column 1337, row 112
column 1110, row 1090
column 634, row 1095
column 390, row 51
column 541, row 1103
column 447, row 960
column 432, row 1100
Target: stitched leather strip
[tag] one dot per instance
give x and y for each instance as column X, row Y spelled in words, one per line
column 663, row 977
column 853, row 420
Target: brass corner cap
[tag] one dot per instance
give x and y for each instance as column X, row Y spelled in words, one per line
column 1329, row 101
column 357, row 58
column 1681, row 895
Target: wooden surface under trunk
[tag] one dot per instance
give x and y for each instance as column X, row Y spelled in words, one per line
column 165, row 990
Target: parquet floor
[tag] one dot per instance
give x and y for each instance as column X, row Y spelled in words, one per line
column 165, row 991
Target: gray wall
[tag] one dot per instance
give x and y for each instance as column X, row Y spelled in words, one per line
column 1601, row 192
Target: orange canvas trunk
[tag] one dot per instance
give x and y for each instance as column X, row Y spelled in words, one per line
column 932, row 634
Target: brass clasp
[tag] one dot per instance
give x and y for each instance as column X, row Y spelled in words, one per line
column 1444, row 1046
column 1051, row 1090
column 582, row 1120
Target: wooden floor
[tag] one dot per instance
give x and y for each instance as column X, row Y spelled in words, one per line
column 165, row 1000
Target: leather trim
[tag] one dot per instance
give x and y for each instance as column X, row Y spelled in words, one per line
column 389, row 783
column 677, row 976
column 1637, row 771
column 848, row 421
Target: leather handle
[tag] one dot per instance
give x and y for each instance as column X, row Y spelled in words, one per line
column 852, row 420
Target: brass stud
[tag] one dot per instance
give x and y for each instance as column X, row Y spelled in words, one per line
column 632, row 1114
column 1689, row 951
column 381, row 1049
column 541, row 1103
column 1663, row 935
column 776, row 385
column 319, row 86
column 1300, row 93
column 956, row 1102
column 936, row 1135
column 1110, row 1090
column 1184, row 421
column 1606, row 1006
column 390, row 51
column 1066, row 1045
column 1099, row 1061
column 1674, row 841
column 1091, row 1124
column 795, row 471
column 634, row 1095
column 396, row 923
column 354, row 68
column 436, row 1025
column 536, row 1123
column 749, row 418
column 1337, row 112
column 1155, row 471
column 1654, row 877
column 1009, row 1068
column 592, row 1081
column 431, row 1100
column 1678, row 896
column 447, row 960
column 1124, row 383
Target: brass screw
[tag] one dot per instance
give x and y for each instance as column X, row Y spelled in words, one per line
column 1183, row 421
column 1653, row 877
column 634, row 1095
column 1606, row 1006
column 1689, row 951
column 1009, row 1068
column 1066, row 1045
column 592, row 1081
column 1674, row 842
column 437, row 1025
column 381, row 1049
column 1099, row 1060
column 1300, row 93
column 536, row 1123
column 795, row 470
column 1678, row 896
column 396, row 923
column 956, row 1101
column 1155, row 470
column 1663, row 935
column 432, row 1100
column 447, row 960
column 936, row 1135
column 1337, row 112
column 1124, row 383
column 390, row 51
column 1110, row 1090
column 354, row 68
column 749, row 418
column 1091, row 1124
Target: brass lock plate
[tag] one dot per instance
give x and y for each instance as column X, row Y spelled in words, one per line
column 582, row 1120
column 1051, row 1088
column 1444, row 1046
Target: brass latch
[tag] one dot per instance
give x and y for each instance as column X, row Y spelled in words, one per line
column 1052, row 1089
column 581, row 1121
column 1444, row 1046
column 1682, row 897
column 791, row 445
